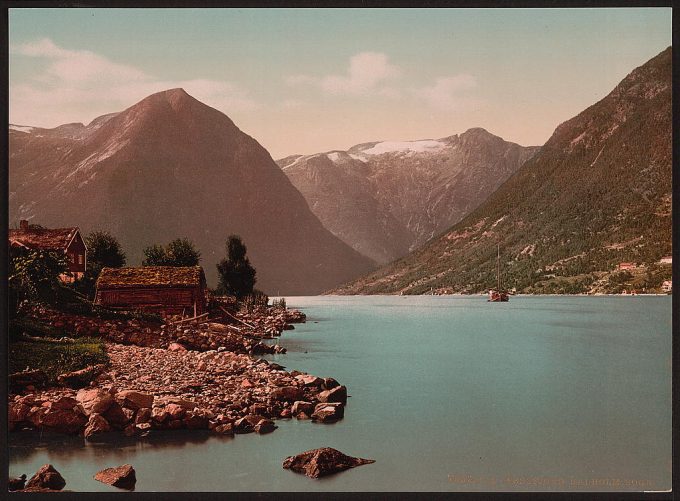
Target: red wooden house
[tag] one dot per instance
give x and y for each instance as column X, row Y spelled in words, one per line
column 169, row 290
column 66, row 240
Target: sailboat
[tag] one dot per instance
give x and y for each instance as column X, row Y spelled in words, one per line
column 498, row 295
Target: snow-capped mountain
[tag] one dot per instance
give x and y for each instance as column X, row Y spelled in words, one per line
column 387, row 198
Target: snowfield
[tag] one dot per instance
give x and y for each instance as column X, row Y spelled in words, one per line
column 21, row 128
column 423, row 146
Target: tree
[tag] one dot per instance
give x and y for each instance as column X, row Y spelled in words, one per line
column 103, row 251
column 179, row 252
column 237, row 276
column 154, row 255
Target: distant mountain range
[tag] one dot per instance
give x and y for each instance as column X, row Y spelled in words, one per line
column 597, row 194
column 169, row 167
column 387, row 198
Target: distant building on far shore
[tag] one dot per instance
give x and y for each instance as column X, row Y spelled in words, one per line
column 667, row 286
column 627, row 266
column 666, row 260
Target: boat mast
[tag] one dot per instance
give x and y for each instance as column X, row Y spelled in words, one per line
column 498, row 268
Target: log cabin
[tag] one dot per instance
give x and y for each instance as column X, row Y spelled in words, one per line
column 66, row 240
column 168, row 290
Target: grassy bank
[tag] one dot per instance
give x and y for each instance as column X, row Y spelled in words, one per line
column 55, row 357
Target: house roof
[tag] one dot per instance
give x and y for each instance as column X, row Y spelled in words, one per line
column 43, row 238
column 156, row 276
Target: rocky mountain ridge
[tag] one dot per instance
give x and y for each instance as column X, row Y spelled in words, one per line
column 596, row 195
column 171, row 166
column 387, row 198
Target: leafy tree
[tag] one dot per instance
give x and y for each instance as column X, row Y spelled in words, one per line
column 33, row 276
column 237, row 276
column 154, row 255
column 179, row 252
column 103, row 250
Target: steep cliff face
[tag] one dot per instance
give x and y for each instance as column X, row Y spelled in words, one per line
column 169, row 167
column 387, row 198
column 596, row 194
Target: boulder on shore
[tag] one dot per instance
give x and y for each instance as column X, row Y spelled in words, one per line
column 287, row 393
column 58, row 420
column 94, row 401
column 328, row 412
column 46, row 478
column 134, row 400
column 324, row 461
column 120, row 476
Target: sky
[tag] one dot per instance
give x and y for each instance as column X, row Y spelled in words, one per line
column 303, row 81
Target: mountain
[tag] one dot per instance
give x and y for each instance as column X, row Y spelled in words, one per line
column 387, row 198
column 598, row 193
column 170, row 166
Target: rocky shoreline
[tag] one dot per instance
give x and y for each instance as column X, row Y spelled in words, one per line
column 199, row 376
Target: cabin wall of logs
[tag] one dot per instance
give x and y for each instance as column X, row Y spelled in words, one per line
column 167, row 290
column 164, row 300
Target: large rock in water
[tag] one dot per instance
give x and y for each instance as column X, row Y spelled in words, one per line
column 328, row 412
column 120, row 476
column 325, row 461
column 46, row 478
column 97, row 424
column 336, row 394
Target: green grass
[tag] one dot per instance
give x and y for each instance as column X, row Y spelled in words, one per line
column 55, row 358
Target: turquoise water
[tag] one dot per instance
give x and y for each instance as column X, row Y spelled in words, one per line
column 447, row 393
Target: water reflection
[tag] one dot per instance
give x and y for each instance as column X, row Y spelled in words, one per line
column 23, row 446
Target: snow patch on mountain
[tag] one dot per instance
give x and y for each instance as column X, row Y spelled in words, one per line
column 21, row 128
column 358, row 157
column 423, row 146
column 92, row 160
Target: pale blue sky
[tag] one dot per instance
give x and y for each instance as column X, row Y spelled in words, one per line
column 306, row 80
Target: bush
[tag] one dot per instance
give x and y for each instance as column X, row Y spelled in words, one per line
column 33, row 276
column 279, row 304
column 257, row 299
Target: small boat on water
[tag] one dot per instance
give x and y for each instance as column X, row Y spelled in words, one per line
column 498, row 295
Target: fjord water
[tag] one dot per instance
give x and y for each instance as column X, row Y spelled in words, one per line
column 447, row 393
